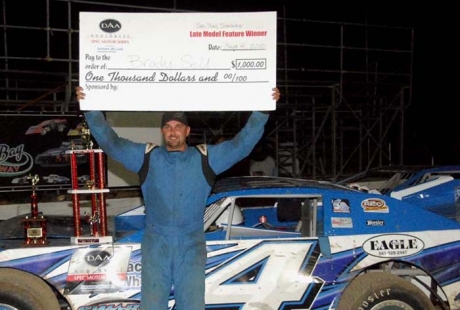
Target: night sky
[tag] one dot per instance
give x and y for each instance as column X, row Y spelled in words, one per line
column 432, row 120
column 433, row 117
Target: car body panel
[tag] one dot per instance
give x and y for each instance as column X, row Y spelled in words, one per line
column 272, row 262
column 436, row 188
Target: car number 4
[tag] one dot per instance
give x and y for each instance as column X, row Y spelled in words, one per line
column 272, row 273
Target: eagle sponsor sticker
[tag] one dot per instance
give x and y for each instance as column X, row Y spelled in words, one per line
column 375, row 205
column 395, row 245
column 341, row 222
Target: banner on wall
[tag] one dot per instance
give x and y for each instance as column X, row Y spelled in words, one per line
column 37, row 145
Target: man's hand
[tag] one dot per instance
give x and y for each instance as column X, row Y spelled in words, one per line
column 276, row 95
column 80, row 94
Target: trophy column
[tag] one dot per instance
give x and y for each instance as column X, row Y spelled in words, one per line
column 35, row 224
column 95, row 187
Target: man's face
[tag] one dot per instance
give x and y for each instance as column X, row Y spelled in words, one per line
column 175, row 134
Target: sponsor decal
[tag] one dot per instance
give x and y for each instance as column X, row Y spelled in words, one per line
column 129, row 305
column 14, row 161
column 110, row 25
column 133, row 280
column 395, row 245
column 342, row 222
column 97, row 257
column 375, row 205
column 99, row 270
column 375, row 223
column 340, row 206
column 87, row 240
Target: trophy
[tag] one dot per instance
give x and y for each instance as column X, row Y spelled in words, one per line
column 89, row 184
column 35, row 224
column 86, row 136
column 92, row 219
column 97, row 218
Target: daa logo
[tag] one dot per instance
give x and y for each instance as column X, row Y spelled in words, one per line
column 97, row 257
column 110, row 25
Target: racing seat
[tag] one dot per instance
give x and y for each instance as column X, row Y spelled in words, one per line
column 289, row 209
column 295, row 210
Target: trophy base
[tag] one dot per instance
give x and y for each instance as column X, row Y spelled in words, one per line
column 35, row 243
column 91, row 240
column 35, row 232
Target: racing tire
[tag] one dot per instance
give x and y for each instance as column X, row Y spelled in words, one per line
column 380, row 290
column 14, row 298
column 21, row 290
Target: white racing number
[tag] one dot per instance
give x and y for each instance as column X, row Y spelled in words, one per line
column 271, row 274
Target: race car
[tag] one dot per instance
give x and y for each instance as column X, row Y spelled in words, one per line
column 21, row 180
column 54, row 179
column 46, row 126
column 272, row 243
column 58, row 157
column 382, row 179
column 436, row 188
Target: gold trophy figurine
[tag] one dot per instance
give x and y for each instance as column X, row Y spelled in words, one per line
column 90, row 184
column 86, row 135
column 34, row 204
column 92, row 220
column 34, row 179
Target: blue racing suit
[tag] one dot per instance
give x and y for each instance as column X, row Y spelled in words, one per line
column 175, row 193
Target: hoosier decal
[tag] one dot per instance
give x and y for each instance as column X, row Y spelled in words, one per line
column 375, row 222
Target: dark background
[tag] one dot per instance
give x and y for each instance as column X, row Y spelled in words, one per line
column 433, row 117
column 13, row 130
column 431, row 134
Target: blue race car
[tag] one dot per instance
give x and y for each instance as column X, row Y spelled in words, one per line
column 273, row 243
column 436, row 188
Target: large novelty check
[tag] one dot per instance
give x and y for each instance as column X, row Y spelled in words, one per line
column 178, row 61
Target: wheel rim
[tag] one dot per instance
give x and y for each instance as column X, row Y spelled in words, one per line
column 7, row 307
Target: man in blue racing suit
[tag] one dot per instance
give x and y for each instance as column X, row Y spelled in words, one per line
column 175, row 193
